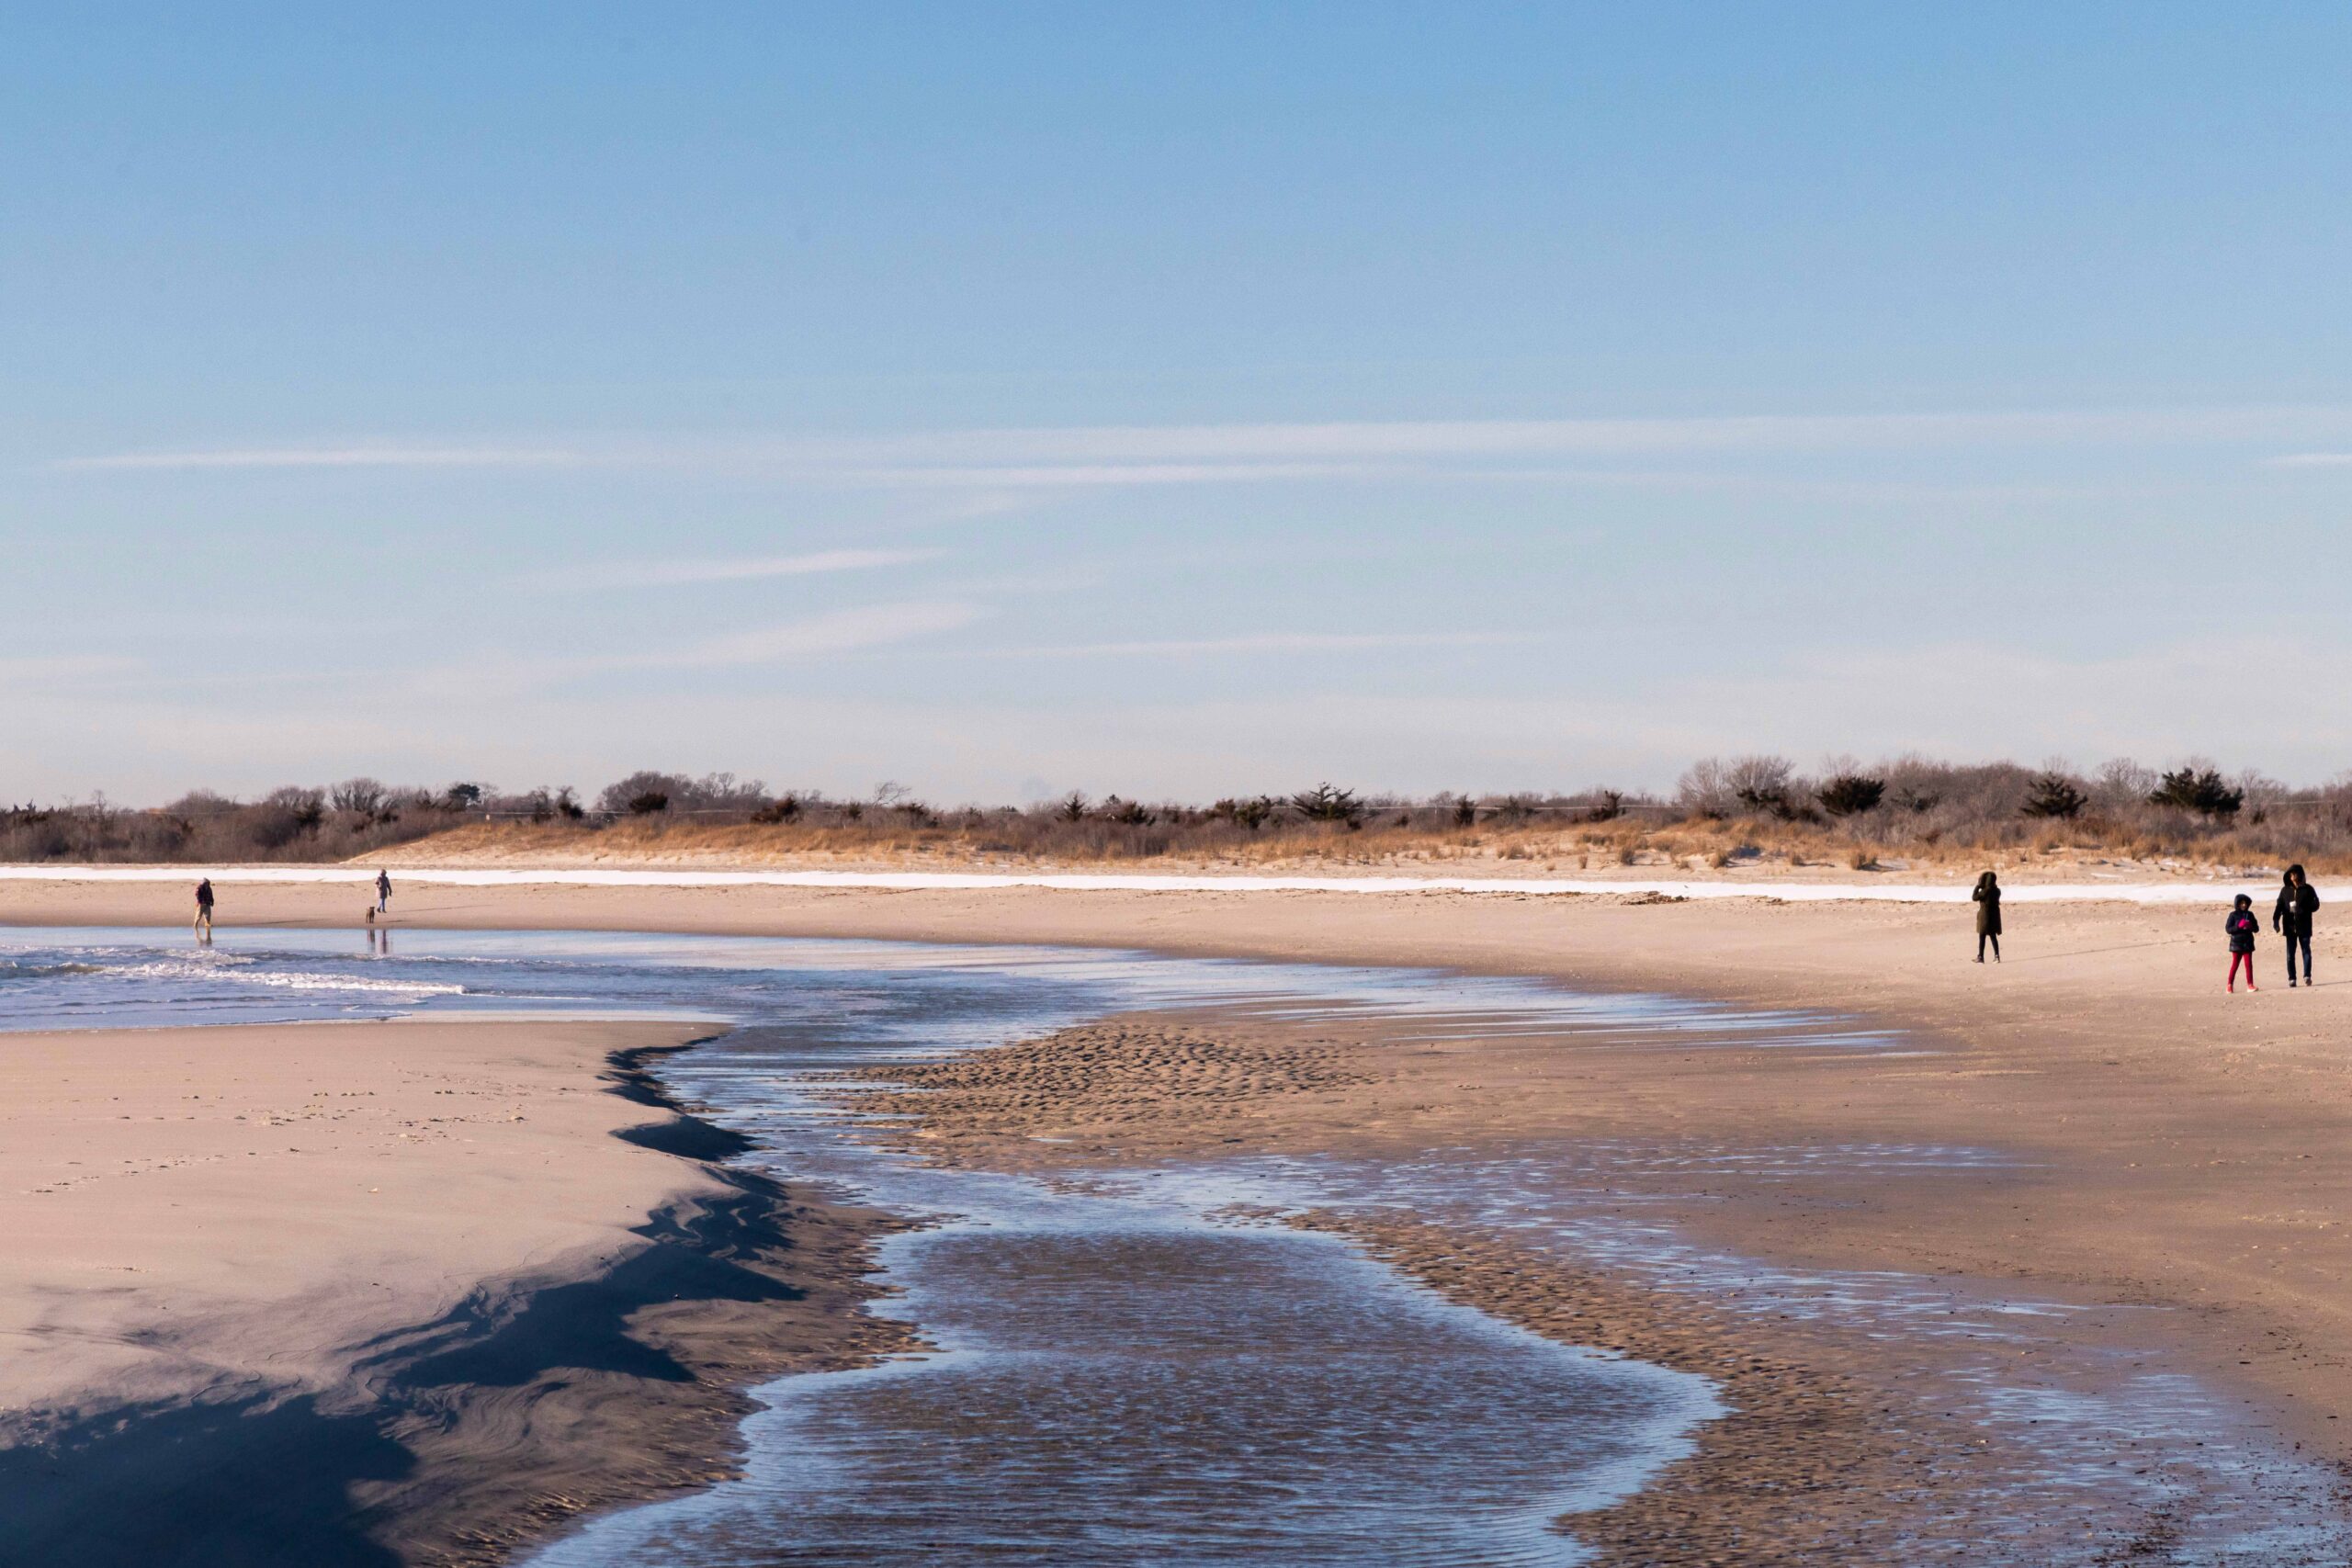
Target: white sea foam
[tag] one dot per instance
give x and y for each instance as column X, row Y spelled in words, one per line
column 209, row 968
column 300, row 982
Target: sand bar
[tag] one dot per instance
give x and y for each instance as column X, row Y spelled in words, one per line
column 203, row 1183
column 305, row 1257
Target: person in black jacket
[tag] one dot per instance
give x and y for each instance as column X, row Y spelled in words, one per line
column 2291, row 917
column 1988, row 915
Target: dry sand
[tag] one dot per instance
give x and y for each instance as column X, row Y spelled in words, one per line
column 1630, row 847
column 415, row 1257
column 2181, row 1148
column 273, row 1196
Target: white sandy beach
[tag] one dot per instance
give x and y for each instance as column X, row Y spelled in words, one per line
column 192, row 1208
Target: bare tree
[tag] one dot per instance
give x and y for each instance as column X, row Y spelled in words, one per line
column 361, row 797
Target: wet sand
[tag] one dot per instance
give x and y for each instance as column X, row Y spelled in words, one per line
column 2170, row 1146
column 378, row 1292
column 1836, row 1446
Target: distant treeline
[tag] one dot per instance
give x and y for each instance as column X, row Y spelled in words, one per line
column 1907, row 805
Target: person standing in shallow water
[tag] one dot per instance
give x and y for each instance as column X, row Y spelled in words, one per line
column 204, row 908
column 2291, row 917
column 2241, row 927
column 1988, row 915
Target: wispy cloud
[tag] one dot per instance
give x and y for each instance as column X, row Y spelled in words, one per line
column 56, row 669
column 1037, row 476
column 1021, row 459
column 363, row 457
column 838, row 633
column 844, row 631
column 2312, row 460
column 744, row 568
column 1268, row 642
column 491, row 678
column 1447, row 440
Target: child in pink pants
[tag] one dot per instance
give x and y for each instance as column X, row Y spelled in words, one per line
column 2242, row 925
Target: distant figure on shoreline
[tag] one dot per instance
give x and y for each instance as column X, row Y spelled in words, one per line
column 383, row 892
column 2241, row 927
column 2291, row 917
column 1988, row 915
column 204, row 910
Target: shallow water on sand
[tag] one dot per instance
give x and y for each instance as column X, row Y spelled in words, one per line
column 1122, row 1382
column 1123, row 1374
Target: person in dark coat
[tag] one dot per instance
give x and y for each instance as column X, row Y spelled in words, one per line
column 1988, row 916
column 204, row 909
column 2291, row 917
column 2241, row 927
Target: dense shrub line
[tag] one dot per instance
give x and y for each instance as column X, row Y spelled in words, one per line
column 1722, row 808
column 298, row 823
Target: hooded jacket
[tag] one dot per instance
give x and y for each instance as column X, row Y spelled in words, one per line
column 2241, row 925
column 2298, row 901
column 1988, row 906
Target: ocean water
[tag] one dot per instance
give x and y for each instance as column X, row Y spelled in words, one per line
column 1121, row 1373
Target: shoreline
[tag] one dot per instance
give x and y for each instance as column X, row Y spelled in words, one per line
column 1849, row 1438
column 1779, row 1476
column 646, row 1367
column 2175, row 1148
column 2187, row 889
column 456, row 1440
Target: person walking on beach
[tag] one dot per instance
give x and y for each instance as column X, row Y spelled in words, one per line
column 204, row 909
column 383, row 892
column 2291, row 917
column 1988, row 915
column 2242, row 925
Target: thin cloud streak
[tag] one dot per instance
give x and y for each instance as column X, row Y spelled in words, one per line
column 1270, row 642
column 1108, row 474
column 1022, row 458
column 1392, row 440
column 840, row 632
column 44, row 669
column 844, row 631
column 2312, row 460
column 343, row 457
column 682, row 574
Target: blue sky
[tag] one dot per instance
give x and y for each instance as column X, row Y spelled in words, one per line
column 1167, row 400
